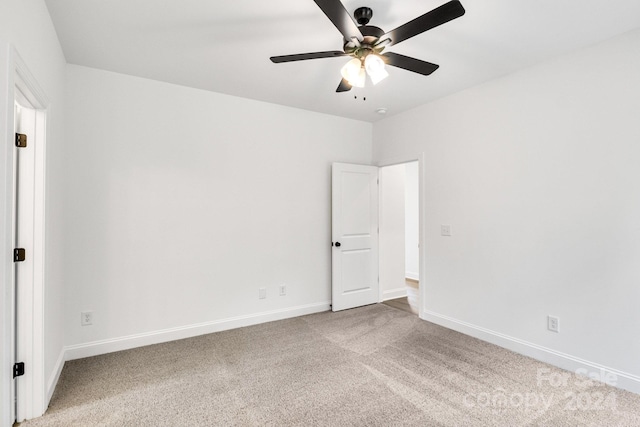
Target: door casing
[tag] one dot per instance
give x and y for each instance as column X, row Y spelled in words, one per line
column 32, row 390
column 420, row 158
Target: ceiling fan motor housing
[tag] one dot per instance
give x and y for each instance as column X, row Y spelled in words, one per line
column 370, row 34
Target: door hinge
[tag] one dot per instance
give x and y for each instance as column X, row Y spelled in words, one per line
column 18, row 369
column 21, row 140
column 19, row 254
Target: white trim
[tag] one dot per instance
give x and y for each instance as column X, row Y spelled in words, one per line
column 39, row 290
column 420, row 158
column 6, row 237
column 394, row 293
column 55, row 376
column 95, row 348
column 398, row 160
column 412, row 275
column 624, row 380
column 28, row 84
column 21, row 83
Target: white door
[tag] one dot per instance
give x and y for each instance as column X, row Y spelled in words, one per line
column 24, row 195
column 355, row 236
column 23, row 291
column 12, row 391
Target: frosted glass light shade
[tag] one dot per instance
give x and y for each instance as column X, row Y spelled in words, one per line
column 375, row 68
column 354, row 73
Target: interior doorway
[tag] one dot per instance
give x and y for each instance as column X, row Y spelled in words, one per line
column 400, row 236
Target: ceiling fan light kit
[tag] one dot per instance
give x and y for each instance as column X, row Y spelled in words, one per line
column 354, row 73
column 366, row 43
column 375, row 68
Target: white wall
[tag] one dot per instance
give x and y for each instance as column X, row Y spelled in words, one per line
column 183, row 203
column 392, row 234
column 26, row 26
column 537, row 173
column 412, row 221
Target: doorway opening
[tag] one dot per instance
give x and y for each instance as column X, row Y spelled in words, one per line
column 400, row 236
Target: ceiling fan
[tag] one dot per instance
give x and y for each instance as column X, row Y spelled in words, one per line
column 365, row 43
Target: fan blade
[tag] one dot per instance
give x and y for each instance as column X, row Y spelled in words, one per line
column 337, row 14
column 429, row 20
column 303, row 56
column 410, row 64
column 344, row 86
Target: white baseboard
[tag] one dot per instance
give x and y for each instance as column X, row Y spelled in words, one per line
column 55, row 376
column 412, row 275
column 623, row 380
column 394, row 293
column 95, row 348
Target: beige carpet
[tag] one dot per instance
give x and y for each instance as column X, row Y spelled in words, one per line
column 374, row 366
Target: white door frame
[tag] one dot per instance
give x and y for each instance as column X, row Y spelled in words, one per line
column 32, row 393
column 420, row 158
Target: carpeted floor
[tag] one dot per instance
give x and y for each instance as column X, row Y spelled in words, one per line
column 374, row 366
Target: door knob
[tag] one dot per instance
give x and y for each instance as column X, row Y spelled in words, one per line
column 338, row 244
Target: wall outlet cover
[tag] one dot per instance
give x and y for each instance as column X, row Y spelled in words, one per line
column 86, row 318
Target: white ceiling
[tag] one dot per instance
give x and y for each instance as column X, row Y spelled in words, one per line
column 224, row 46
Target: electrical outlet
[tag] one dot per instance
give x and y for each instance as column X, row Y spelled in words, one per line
column 283, row 290
column 445, row 230
column 86, row 318
column 262, row 294
column 553, row 323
